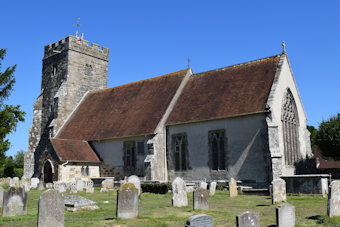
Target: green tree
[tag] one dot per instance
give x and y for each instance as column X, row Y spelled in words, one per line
column 328, row 137
column 313, row 131
column 9, row 115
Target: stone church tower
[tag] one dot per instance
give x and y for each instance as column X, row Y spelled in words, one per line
column 70, row 69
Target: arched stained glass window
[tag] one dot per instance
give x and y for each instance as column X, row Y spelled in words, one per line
column 290, row 124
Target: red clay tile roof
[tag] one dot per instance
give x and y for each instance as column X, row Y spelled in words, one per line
column 74, row 150
column 127, row 110
column 233, row 90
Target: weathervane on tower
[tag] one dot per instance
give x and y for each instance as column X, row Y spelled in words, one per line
column 78, row 26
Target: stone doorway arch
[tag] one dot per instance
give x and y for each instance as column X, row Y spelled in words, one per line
column 48, row 172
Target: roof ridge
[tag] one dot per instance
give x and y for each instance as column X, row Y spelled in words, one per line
column 138, row 81
column 237, row 65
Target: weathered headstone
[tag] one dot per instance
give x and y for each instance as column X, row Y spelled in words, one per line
column 285, row 215
column 199, row 220
column 248, row 219
column 75, row 202
column 104, row 190
column 1, row 196
column 179, row 193
column 200, row 200
column 41, row 185
column 60, row 187
column 80, row 184
column 14, row 202
column 324, row 187
column 14, row 182
column 212, row 188
column 203, row 185
column 34, row 182
column 127, row 201
column 89, row 187
column 190, row 189
column 232, row 187
column 27, row 186
column 279, row 191
column 108, row 183
column 333, row 205
column 135, row 180
column 73, row 188
column 51, row 209
column 49, row 185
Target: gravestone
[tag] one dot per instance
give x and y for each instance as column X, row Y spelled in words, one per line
column 49, row 185
column 51, row 209
column 324, row 187
column 279, row 191
column 73, row 188
column 41, row 185
column 107, row 183
column 190, row 189
column 60, row 187
column 1, row 196
column 248, row 219
column 333, row 205
column 201, row 199
column 14, row 202
column 27, row 186
column 179, row 193
column 34, row 182
column 14, row 182
column 75, row 202
column 232, row 187
column 127, row 201
column 203, row 185
column 135, row 180
column 89, row 187
column 285, row 215
column 212, row 188
column 104, row 190
column 199, row 220
column 79, row 184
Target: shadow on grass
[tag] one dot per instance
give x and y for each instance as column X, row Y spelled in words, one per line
column 262, row 205
column 318, row 218
column 110, row 219
column 271, row 226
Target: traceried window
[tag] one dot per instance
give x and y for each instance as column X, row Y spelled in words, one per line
column 129, row 155
column 180, row 152
column 290, row 125
column 217, row 150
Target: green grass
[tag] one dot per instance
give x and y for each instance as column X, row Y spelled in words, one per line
column 156, row 210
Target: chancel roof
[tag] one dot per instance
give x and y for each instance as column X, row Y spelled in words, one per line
column 234, row 90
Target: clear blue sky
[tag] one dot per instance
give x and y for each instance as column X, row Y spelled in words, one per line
column 151, row 38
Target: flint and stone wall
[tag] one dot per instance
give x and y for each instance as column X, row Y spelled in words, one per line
column 70, row 172
column 71, row 68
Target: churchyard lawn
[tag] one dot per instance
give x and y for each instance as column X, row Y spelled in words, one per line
column 156, row 210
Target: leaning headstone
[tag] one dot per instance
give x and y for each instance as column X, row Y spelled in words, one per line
column 75, row 202
column 333, row 205
column 89, row 187
column 285, row 215
column 248, row 219
column 135, row 180
column 199, row 220
column 279, row 191
column 212, row 188
column 14, row 202
column 232, row 187
column 179, row 193
column 51, row 209
column 127, row 201
column 108, row 183
column 1, row 195
column 34, row 182
column 201, row 199
column 203, row 185
column 41, row 185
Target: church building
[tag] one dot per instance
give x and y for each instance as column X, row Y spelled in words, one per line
column 244, row 121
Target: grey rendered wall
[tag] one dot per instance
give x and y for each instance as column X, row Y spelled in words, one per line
column 112, row 154
column 247, row 150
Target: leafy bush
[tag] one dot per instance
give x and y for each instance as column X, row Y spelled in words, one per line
column 328, row 137
column 157, row 188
